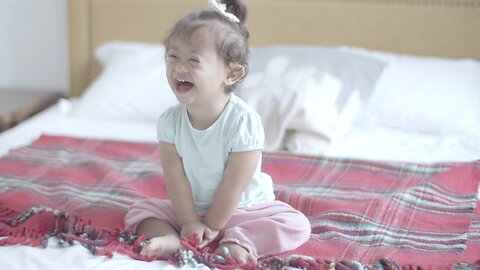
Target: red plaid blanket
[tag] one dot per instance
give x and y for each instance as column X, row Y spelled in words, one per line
column 414, row 214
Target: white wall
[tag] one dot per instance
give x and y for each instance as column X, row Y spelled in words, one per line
column 34, row 44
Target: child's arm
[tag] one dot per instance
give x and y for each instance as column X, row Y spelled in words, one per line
column 237, row 175
column 178, row 187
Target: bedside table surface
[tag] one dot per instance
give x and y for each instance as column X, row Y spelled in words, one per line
column 18, row 105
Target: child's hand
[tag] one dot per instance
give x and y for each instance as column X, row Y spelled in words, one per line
column 209, row 236
column 204, row 233
column 194, row 227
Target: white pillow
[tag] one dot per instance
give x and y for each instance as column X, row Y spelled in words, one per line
column 427, row 95
column 131, row 86
column 312, row 90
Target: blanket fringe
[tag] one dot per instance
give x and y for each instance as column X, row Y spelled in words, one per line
column 35, row 226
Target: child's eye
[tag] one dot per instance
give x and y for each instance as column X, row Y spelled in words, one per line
column 172, row 56
column 195, row 60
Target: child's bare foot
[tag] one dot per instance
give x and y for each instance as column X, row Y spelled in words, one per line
column 161, row 246
column 237, row 252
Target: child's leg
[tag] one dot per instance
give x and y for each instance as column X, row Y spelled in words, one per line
column 155, row 219
column 267, row 229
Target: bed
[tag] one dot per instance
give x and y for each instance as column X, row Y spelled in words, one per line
column 372, row 130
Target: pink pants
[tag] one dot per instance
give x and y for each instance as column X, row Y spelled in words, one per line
column 264, row 229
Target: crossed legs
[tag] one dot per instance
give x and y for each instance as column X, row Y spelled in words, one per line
column 266, row 229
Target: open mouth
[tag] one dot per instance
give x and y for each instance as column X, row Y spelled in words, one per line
column 183, row 85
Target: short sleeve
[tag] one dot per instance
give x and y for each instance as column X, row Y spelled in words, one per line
column 247, row 133
column 165, row 126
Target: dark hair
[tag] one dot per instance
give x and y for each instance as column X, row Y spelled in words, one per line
column 230, row 37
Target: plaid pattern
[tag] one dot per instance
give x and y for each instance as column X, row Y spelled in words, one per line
column 416, row 214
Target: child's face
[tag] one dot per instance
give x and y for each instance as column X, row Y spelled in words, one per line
column 195, row 71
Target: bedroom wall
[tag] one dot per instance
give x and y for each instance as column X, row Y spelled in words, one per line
column 34, row 45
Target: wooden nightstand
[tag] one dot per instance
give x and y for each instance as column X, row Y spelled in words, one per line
column 18, row 105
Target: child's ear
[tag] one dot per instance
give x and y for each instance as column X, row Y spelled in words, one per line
column 236, row 73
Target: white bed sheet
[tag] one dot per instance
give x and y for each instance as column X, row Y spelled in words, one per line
column 56, row 120
column 368, row 143
column 386, row 144
column 378, row 144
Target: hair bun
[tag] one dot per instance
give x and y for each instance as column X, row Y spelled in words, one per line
column 237, row 8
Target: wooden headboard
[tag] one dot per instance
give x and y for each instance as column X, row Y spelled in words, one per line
column 445, row 28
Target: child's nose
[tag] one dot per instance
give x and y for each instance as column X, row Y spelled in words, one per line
column 181, row 66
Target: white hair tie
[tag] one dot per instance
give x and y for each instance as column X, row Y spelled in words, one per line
column 221, row 9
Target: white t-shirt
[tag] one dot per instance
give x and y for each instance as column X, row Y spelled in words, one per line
column 205, row 153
